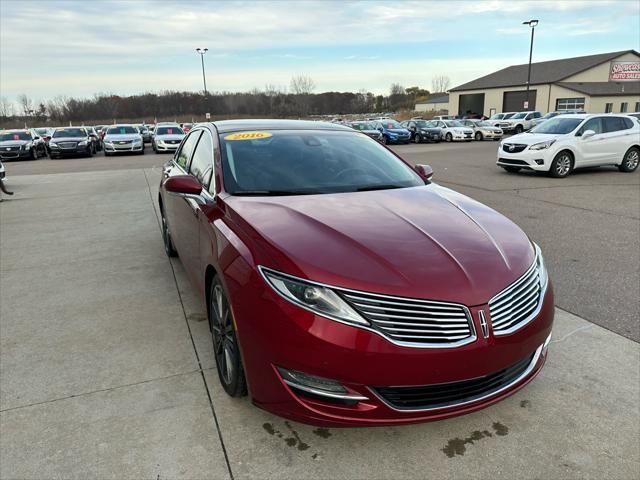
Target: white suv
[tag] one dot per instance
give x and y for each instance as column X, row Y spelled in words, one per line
column 565, row 142
column 519, row 122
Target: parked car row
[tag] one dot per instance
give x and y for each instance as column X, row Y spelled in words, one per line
column 22, row 144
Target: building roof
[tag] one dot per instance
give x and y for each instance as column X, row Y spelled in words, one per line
column 596, row 89
column 439, row 97
column 541, row 72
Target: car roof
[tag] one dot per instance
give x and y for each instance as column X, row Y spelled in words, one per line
column 224, row 126
column 15, row 130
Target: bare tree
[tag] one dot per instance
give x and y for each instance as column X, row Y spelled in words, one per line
column 396, row 89
column 26, row 104
column 302, row 85
column 440, row 83
column 6, row 108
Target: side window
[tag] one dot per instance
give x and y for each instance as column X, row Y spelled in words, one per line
column 628, row 122
column 184, row 155
column 594, row 124
column 537, row 115
column 202, row 163
column 613, row 124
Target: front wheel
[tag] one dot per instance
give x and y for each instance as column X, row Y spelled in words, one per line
column 478, row 136
column 518, row 129
column 417, row 138
column 225, row 342
column 630, row 160
column 385, row 140
column 448, row 137
column 562, row 165
column 33, row 154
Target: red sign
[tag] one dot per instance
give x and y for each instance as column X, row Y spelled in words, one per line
column 624, row 71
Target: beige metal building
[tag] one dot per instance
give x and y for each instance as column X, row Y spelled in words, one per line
column 437, row 102
column 607, row 82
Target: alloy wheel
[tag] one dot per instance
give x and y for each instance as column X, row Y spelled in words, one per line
column 224, row 342
column 632, row 159
column 563, row 165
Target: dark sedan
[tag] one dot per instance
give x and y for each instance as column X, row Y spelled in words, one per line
column 21, row 145
column 343, row 287
column 367, row 128
column 67, row 141
column 423, row 131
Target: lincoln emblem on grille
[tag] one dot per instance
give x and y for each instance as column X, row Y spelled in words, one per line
column 483, row 324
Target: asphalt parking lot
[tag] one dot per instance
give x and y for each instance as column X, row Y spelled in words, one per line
column 107, row 371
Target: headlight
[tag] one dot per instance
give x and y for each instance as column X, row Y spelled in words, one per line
column 542, row 145
column 313, row 297
column 52, row 144
column 137, row 141
column 27, row 146
column 542, row 269
column 82, row 143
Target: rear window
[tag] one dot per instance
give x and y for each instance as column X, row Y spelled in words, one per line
column 297, row 162
column 123, row 130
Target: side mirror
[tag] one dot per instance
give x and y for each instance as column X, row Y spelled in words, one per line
column 588, row 134
column 36, row 138
column 425, row 171
column 183, row 185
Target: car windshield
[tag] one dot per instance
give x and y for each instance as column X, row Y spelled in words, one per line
column 429, row 124
column 69, row 132
column 557, row 125
column 362, row 126
column 8, row 136
column 424, row 124
column 550, row 115
column 122, row 130
column 453, row 123
column 169, row 131
column 496, row 116
column 299, row 162
column 508, row 115
column 42, row 131
column 390, row 124
column 484, row 123
column 519, row 115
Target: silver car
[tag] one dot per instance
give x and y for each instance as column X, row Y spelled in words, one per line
column 483, row 129
column 167, row 137
column 122, row 139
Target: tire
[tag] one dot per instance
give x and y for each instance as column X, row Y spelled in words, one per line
column 512, row 169
column 478, row 136
column 89, row 152
column 518, row 129
column 33, row 153
column 630, row 160
column 417, row 138
column 107, row 154
column 166, row 236
column 562, row 165
column 225, row 342
column 448, row 137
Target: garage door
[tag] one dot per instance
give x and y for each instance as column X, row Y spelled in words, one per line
column 471, row 103
column 514, row 101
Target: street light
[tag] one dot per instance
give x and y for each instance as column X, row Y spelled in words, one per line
column 532, row 24
column 202, row 51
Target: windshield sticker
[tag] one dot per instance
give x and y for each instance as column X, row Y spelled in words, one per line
column 169, row 131
column 248, row 136
column 16, row 137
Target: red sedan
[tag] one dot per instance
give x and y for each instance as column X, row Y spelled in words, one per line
column 343, row 286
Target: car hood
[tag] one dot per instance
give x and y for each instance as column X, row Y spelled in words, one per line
column 119, row 138
column 399, row 131
column 370, row 132
column 169, row 137
column 531, row 138
column 68, row 139
column 13, row 143
column 424, row 242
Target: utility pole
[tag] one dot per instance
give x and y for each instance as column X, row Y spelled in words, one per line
column 202, row 51
column 532, row 24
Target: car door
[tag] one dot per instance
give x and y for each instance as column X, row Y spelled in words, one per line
column 618, row 137
column 177, row 209
column 591, row 150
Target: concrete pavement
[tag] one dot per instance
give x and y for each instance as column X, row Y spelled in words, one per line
column 106, row 370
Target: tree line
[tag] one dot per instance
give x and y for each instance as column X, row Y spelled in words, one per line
column 299, row 100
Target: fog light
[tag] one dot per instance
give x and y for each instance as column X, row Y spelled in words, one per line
column 539, row 161
column 317, row 386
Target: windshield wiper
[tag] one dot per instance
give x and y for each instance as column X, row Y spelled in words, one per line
column 388, row 186
column 273, row 192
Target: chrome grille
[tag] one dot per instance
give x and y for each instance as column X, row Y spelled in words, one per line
column 515, row 306
column 513, row 147
column 67, row 144
column 414, row 322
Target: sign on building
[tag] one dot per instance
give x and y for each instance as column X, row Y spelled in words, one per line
column 624, row 71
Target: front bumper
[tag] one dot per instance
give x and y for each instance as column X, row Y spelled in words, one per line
column 430, row 137
column 167, row 147
column 123, row 148
column 459, row 137
column 490, row 134
column 15, row 154
column 275, row 333
column 538, row 160
column 77, row 150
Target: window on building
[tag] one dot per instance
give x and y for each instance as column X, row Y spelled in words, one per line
column 570, row 104
column 637, row 109
column 608, row 108
column 623, row 107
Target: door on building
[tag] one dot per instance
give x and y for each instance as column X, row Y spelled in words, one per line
column 471, row 104
column 514, row 101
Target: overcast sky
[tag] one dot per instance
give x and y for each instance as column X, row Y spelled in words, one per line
column 78, row 48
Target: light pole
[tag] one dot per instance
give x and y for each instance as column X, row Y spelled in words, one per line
column 202, row 51
column 532, row 24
